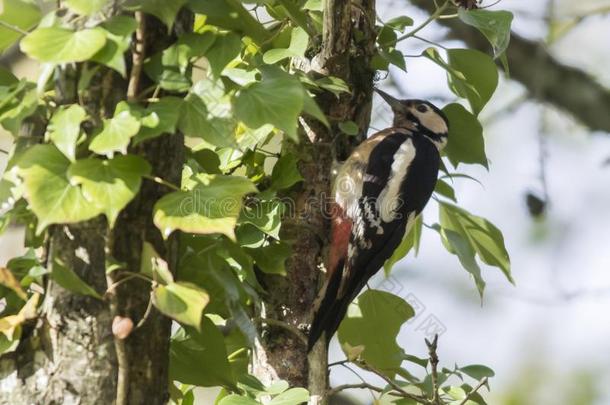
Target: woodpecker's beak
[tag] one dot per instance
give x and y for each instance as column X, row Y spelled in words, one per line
column 393, row 102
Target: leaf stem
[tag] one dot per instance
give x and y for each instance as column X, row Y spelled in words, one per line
column 159, row 180
column 344, row 387
column 474, row 390
column 13, row 28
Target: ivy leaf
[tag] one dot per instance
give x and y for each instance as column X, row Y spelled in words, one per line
column 409, row 241
column 61, row 45
column 482, row 235
column 235, row 399
column 111, row 184
column 86, row 7
column 265, row 215
column 293, row 396
column 456, row 244
column 277, row 100
column 225, row 48
column 271, row 258
column 116, row 134
column 298, row 45
column 8, row 280
column 47, row 189
column 189, row 349
column 495, row 25
column 19, row 13
column 167, row 110
column 466, row 143
column 164, row 10
column 69, row 280
column 211, row 206
column 195, row 121
column 181, row 301
column 480, row 76
column 400, row 23
column 7, row 78
column 477, row 371
column 285, row 173
column 372, row 312
column 64, row 128
column 118, row 33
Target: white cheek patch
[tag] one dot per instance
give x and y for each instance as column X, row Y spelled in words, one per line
column 389, row 199
column 432, row 121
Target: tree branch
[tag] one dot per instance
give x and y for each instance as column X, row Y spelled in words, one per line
column 568, row 88
column 353, row 386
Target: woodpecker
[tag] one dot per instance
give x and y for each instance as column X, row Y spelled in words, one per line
column 377, row 194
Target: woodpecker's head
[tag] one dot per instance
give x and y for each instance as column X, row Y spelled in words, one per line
column 420, row 116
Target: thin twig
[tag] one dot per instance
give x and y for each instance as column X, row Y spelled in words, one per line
column 4, row 151
column 474, row 390
column 344, row 387
column 13, row 28
column 419, row 398
column 286, row 326
column 432, row 17
column 338, row 363
column 146, row 313
column 137, row 57
column 433, row 365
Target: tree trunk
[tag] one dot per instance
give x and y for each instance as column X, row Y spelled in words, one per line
column 71, row 355
column 346, row 55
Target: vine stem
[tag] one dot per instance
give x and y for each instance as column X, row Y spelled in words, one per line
column 138, row 56
column 344, row 387
column 292, row 329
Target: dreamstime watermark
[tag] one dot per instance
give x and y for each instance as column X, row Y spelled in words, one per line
column 422, row 321
column 374, row 209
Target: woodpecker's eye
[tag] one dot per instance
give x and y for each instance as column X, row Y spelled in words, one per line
column 422, row 108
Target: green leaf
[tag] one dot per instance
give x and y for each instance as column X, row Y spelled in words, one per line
column 47, row 189
column 409, row 241
column 477, row 371
column 111, row 184
column 86, row 7
column 466, row 143
column 61, row 45
column 164, row 10
column 458, row 245
column 118, row 34
column 167, row 110
column 7, row 78
column 293, row 396
column 265, row 215
column 277, row 100
column 271, row 258
column 235, row 399
column 310, row 107
column 19, row 101
column 231, row 15
column 225, row 48
column 195, row 121
column 66, row 278
column 373, row 321
column 400, row 23
column 495, row 25
column 64, row 128
column 480, row 76
column 285, row 173
column 18, row 13
column 349, row 128
column 483, row 236
column 181, row 301
column 190, row 349
column 212, row 206
column 298, row 45
column 443, row 188
column 116, row 134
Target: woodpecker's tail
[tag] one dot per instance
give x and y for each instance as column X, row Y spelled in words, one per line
column 330, row 312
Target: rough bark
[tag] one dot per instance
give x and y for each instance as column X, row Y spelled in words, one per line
column 546, row 79
column 70, row 355
column 290, row 299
